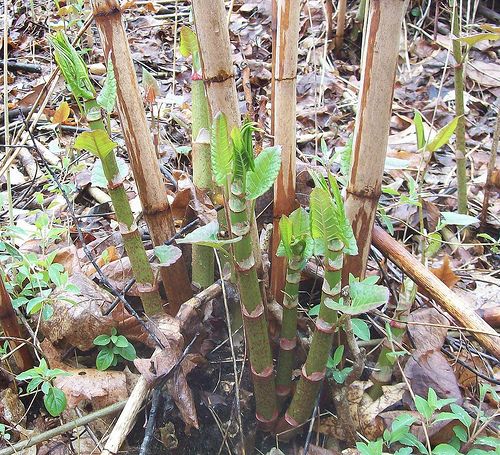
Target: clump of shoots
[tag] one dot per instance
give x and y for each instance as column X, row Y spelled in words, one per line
column 243, row 179
column 333, row 237
column 99, row 143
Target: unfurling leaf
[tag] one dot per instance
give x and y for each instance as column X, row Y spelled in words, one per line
column 322, row 219
column 285, row 226
column 419, row 128
column 364, row 296
column 61, row 114
column 72, row 67
column 221, row 150
column 167, row 254
column 443, row 136
column 96, row 142
column 150, row 85
column 107, row 98
column 207, row 236
column 267, row 167
column 189, row 46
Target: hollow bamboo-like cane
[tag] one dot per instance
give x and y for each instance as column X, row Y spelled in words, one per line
column 284, row 126
column 252, row 307
column 288, row 335
column 380, row 54
column 143, row 160
column 210, row 18
column 202, row 256
column 314, row 370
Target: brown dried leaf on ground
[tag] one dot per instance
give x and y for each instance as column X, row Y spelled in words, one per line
column 78, row 318
column 161, row 363
column 425, row 336
column 430, row 368
column 100, row 388
column 445, row 273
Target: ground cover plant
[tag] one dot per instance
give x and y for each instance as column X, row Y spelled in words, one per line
column 249, row 227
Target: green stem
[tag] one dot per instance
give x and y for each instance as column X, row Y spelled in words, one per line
column 252, row 307
column 202, row 256
column 288, row 338
column 141, row 267
column 313, row 372
column 382, row 373
column 460, row 148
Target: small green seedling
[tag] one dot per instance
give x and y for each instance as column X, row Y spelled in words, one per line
column 113, row 348
column 466, row 432
column 338, row 375
column 4, row 432
column 41, row 378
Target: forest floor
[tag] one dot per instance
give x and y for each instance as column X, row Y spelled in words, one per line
column 54, row 211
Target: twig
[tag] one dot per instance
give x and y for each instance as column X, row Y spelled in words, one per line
column 134, row 403
column 150, row 427
column 80, row 422
column 489, row 177
column 231, row 344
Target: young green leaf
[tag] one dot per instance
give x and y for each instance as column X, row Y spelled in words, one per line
column 285, row 226
column 96, row 142
column 55, row 401
column 419, row 128
column 102, row 340
column 99, row 179
column 207, row 236
column 104, row 358
column 221, row 150
column 365, row 296
column 127, row 352
column 167, row 254
column 322, row 219
column 189, row 46
column 474, row 39
column 360, row 329
column 443, row 136
column 458, row 219
column 107, row 98
column 267, row 167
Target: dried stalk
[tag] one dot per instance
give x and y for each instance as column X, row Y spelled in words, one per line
column 380, row 54
column 10, row 327
column 341, row 16
column 284, row 94
column 460, row 146
column 441, row 293
column 210, row 18
column 489, row 177
column 143, row 161
column 67, row 427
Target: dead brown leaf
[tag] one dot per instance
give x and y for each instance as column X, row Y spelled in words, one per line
column 427, row 337
column 426, row 369
column 445, row 273
column 84, row 311
column 100, row 388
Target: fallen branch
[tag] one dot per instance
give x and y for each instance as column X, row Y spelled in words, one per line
column 70, row 426
column 434, row 287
